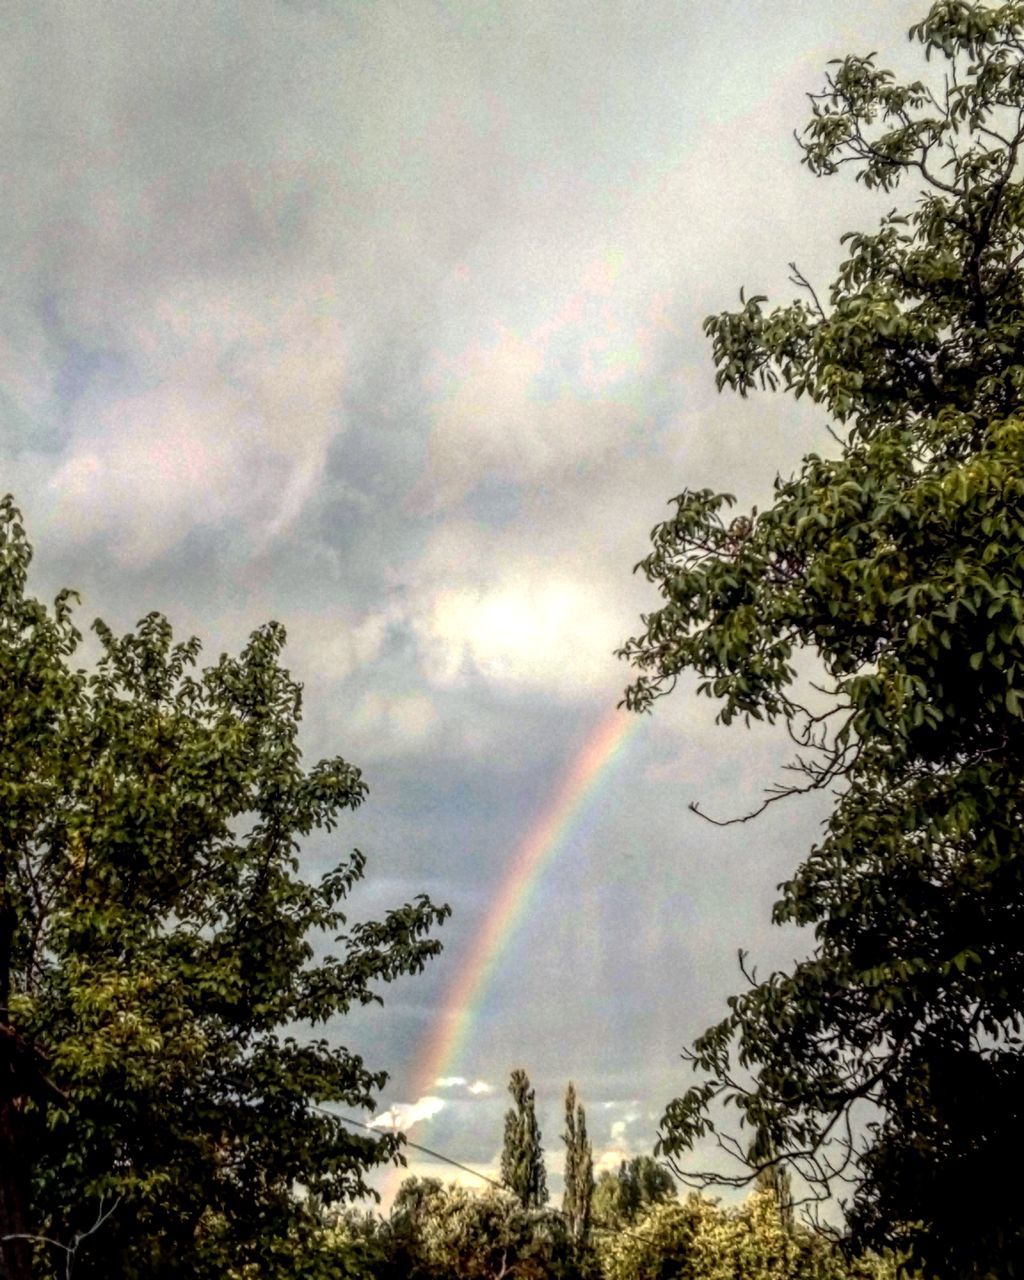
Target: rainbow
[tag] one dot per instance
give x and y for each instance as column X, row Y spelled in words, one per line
column 548, row 835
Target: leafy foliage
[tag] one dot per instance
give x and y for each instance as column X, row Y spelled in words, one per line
column 437, row 1231
column 522, row 1157
column 899, row 564
column 620, row 1197
column 158, row 977
column 697, row 1239
column 579, row 1170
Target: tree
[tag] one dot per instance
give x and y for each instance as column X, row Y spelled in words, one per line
column 663, row 1248
column 159, row 986
column 522, row 1158
column 892, row 1054
column 442, row 1231
column 408, row 1231
column 579, row 1170
column 699, row 1239
column 640, row 1182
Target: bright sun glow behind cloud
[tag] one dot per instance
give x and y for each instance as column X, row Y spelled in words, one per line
column 526, row 632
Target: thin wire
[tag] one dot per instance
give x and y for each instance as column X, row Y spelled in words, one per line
column 415, row 1146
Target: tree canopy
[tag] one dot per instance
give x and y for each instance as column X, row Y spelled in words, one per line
column 579, row 1170
column 637, row 1184
column 522, row 1156
column 163, row 962
column 891, row 1055
column 437, row 1232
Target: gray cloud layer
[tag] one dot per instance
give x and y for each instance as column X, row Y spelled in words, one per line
column 384, row 319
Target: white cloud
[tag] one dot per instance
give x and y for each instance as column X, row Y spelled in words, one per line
column 328, row 646
column 621, row 1146
column 534, row 626
column 495, row 416
column 564, row 392
column 608, row 1159
column 401, row 1116
column 476, row 1088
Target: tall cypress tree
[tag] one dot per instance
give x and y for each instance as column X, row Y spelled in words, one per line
column 522, row 1158
column 579, row 1169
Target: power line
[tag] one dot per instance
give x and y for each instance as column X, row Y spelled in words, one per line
column 416, row 1147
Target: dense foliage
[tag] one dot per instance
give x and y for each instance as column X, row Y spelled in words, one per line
column 158, row 979
column 522, row 1156
column 892, row 1055
column 579, row 1171
column 638, row 1183
column 698, row 1239
column 438, row 1232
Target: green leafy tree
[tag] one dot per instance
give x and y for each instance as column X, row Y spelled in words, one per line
column 356, row 1245
column 579, row 1171
column 439, row 1232
column 638, row 1183
column 416, row 1205
column 663, row 1248
column 897, row 562
column 776, row 1179
column 699, row 1239
column 160, row 1076
column 522, row 1157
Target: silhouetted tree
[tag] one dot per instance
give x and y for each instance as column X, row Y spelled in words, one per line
column 579, row 1170
column 522, row 1158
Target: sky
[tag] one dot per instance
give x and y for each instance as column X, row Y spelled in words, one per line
column 382, row 318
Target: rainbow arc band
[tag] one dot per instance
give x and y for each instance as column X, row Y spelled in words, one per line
column 590, row 769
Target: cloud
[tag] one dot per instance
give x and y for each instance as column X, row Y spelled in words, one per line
column 555, row 400
column 516, row 632
column 620, row 1145
column 401, row 1116
column 327, row 645
column 222, row 422
column 609, row 1159
column 477, row 1088
column 522, row 620
column 393, row 723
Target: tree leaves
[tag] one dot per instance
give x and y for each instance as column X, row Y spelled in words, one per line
column 522, row 1158
column 899, row 565
column 159, row 946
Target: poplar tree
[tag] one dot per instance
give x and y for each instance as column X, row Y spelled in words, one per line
column 522, row 1158
column 579, row 1170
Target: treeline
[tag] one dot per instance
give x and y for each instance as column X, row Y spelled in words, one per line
column 438, row 1232
column 630, row 1224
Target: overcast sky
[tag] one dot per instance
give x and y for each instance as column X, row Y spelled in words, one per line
column 383, row 319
